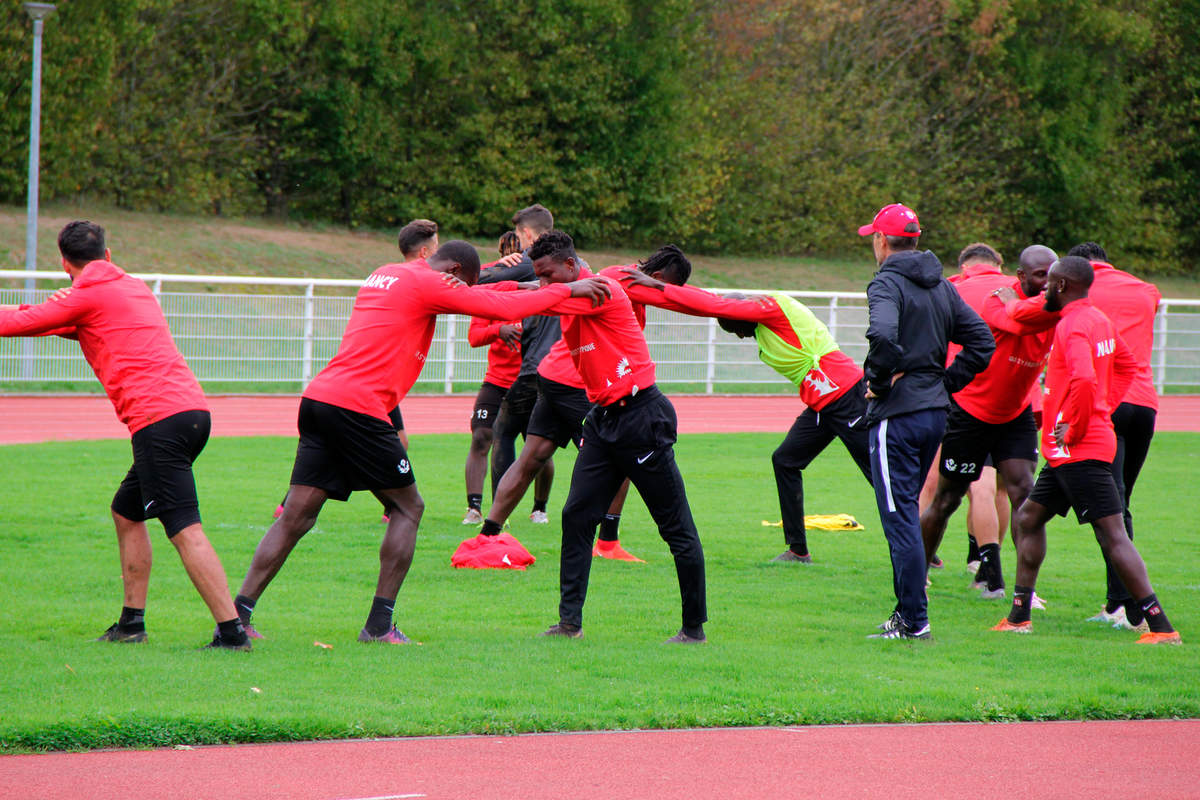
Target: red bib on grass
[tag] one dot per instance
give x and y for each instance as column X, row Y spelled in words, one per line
column 501, row 551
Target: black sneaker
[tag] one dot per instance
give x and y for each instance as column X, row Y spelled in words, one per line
column 904, row 632
column 115, row 634
column 564, row 630
column 683, row 638
column 789, row 556
column 221, row 644
column 891, row 623
column 936, row 562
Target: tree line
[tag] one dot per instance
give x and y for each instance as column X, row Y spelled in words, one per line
column 756, row 127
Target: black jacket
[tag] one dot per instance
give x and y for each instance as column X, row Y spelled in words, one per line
column 914, row 314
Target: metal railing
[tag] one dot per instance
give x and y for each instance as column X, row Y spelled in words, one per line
column 267, row 334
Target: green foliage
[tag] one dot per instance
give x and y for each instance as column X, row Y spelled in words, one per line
column 766, row 126
column 786, row 643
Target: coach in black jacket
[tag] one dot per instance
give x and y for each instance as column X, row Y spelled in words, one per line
column 914, row 314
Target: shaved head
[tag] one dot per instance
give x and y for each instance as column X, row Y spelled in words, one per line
column 1034, row 268
column 1037, row 255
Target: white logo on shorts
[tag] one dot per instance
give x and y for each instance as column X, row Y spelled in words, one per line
column 403, row 466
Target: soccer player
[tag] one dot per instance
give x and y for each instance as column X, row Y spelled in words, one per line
column 991, row 417
column 1090, row 369
column 346, row 441
column 563, row 402
column 1131, row 304
column 799, row 347
column 503, row 340
column 538, row 334
column 125, row 339
column 629, row 433
column 417, row 239
column 914, row 314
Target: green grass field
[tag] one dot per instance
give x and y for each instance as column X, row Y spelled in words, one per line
column 786, row 642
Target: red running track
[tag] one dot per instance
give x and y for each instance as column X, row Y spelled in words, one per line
column 25, row 419
column 1131, row 760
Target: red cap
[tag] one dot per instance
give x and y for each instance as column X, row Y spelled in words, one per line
column 891, row 221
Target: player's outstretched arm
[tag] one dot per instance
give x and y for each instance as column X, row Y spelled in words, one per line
column 56, row 316
column 650, row 291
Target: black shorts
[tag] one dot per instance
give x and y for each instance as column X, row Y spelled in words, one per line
column 342, row 451
column 487, row 405
column 1086, row 486
column 518, row 405
column 396, row 418
column 160, row 482
column 969, row 442
column 559, row 412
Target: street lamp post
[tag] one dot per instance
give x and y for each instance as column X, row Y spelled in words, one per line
column 38, row 12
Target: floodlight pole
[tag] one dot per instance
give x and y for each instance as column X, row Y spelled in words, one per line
column 38, row 12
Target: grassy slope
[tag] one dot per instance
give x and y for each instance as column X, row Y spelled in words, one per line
column 786, row 643
column 145, row 242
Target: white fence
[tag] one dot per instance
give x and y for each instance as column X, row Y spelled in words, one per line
column 264, row 334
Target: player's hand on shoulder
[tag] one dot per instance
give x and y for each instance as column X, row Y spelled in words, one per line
column 452, row 280
column 1006, row 294
column 634, row 276
column 594, row 289
column 510, row 260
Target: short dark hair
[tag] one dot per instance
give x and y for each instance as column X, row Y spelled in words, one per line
column 979, row 251
column 1078, row 270
column 535, row 217
column 669, row 260
column 509, row 243
column 905, row 242
column 81, row 242
column 415, row 235
column 459, row 252
column 556, row 244
column 1089, row 250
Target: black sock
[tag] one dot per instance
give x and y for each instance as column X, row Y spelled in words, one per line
column 1022, row 602
column 379, row 621
column 132, row 619
column 475, row 501
column 1133, row 611
column 989, row 567
column 972, row 549
column 231, row 631
column 490, row 528
column 244, row 606
column 1110, row 606
column 696, row 632
column 799, row 548
column 609, row 527
column 539, row 505
column 1156, row 618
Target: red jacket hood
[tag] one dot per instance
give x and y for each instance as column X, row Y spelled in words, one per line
column 98, row 272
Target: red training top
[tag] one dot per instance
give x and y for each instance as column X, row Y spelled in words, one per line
column 836, row 372
column 1090, row 370
column 504, row 361
column 124, row 337
column 558, row 364
column 1131, row 304
column 390, row 328
column 1002, row 390
column 606, row 344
